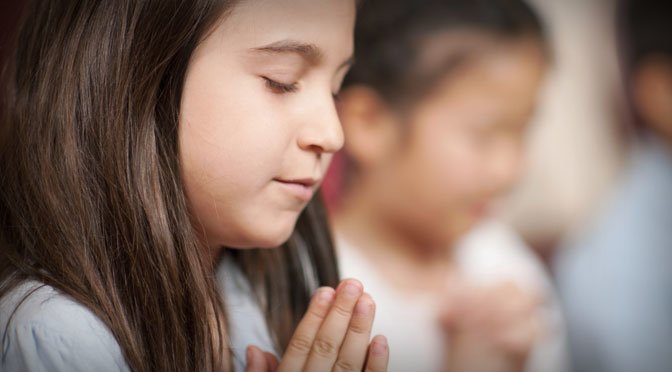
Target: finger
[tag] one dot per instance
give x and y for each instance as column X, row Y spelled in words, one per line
column 378, row 356
column 519, row 339
column 302, row 341
column 353, row 351
column 256, row 361
column 456, row 286
column 495, row 307
column 456, row 303
column 510, row 309
column 271, row 361
column 332, row 332
column 472, row 308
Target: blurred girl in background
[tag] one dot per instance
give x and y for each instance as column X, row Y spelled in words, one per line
column 435, row 113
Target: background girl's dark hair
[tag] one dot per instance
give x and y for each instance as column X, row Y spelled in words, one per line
column 390, row 36
column 91, row 200
column 645, row 30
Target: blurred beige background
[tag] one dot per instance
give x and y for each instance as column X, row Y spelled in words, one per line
column 576, row 145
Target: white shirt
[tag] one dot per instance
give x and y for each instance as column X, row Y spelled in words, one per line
column 490, row 254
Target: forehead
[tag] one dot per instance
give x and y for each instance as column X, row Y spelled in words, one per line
column 326, row 23
column 502, row 83
column 499, row 67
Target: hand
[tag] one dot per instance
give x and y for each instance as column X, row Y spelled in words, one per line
column 333, row 336
column 490, row 329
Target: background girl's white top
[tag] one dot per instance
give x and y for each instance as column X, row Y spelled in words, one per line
column 490, row 254
column 50, row 332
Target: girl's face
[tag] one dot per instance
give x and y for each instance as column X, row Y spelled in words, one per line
column 258, row 122
column 462, row 145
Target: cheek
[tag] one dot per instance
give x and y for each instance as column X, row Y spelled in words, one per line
column 227, row 128
column 446, row 162
column 229, row 188
column 231, row 147
column 225, row 143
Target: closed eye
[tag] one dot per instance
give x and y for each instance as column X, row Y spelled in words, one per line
column 280, row 88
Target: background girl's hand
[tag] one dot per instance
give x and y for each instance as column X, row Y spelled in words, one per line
column 333, row 336
column 491, row 329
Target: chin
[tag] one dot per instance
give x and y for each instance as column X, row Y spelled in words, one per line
column 257, row 241
column 274, row 241
column 272, row 236
column 261, row 232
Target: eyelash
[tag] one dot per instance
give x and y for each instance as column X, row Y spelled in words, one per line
column 280, row 88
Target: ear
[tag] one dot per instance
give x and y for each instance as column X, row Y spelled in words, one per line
column 652, row 93
column 371, row 128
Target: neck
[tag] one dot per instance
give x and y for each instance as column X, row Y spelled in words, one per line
column 360, row 219
column 387, row 245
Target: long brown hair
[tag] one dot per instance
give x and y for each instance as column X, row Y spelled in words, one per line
column 91, row 200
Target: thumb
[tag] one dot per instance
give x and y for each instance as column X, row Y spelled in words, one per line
column 256, row 360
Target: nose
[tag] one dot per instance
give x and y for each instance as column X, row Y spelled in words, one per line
column 322, row 132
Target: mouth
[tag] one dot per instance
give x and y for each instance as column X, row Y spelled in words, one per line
column 306, row 182
column 481, row 210
column 300, row 188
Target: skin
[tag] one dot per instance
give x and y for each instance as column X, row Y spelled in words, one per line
column 652, row 93
column 427, row 178
column 333, row 335
column 258, row 127
column 490, row 329
column 258, row 112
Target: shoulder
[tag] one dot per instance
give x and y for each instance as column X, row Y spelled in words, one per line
column 44, row 330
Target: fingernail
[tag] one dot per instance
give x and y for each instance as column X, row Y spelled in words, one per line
column 379, row 347
column 352, row 290
column 363, row 307
column 325, row 296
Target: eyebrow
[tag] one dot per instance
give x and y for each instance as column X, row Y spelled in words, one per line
column 310, row 52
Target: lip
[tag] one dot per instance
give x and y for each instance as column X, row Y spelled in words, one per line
column 302, row 188
column 481, row 210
